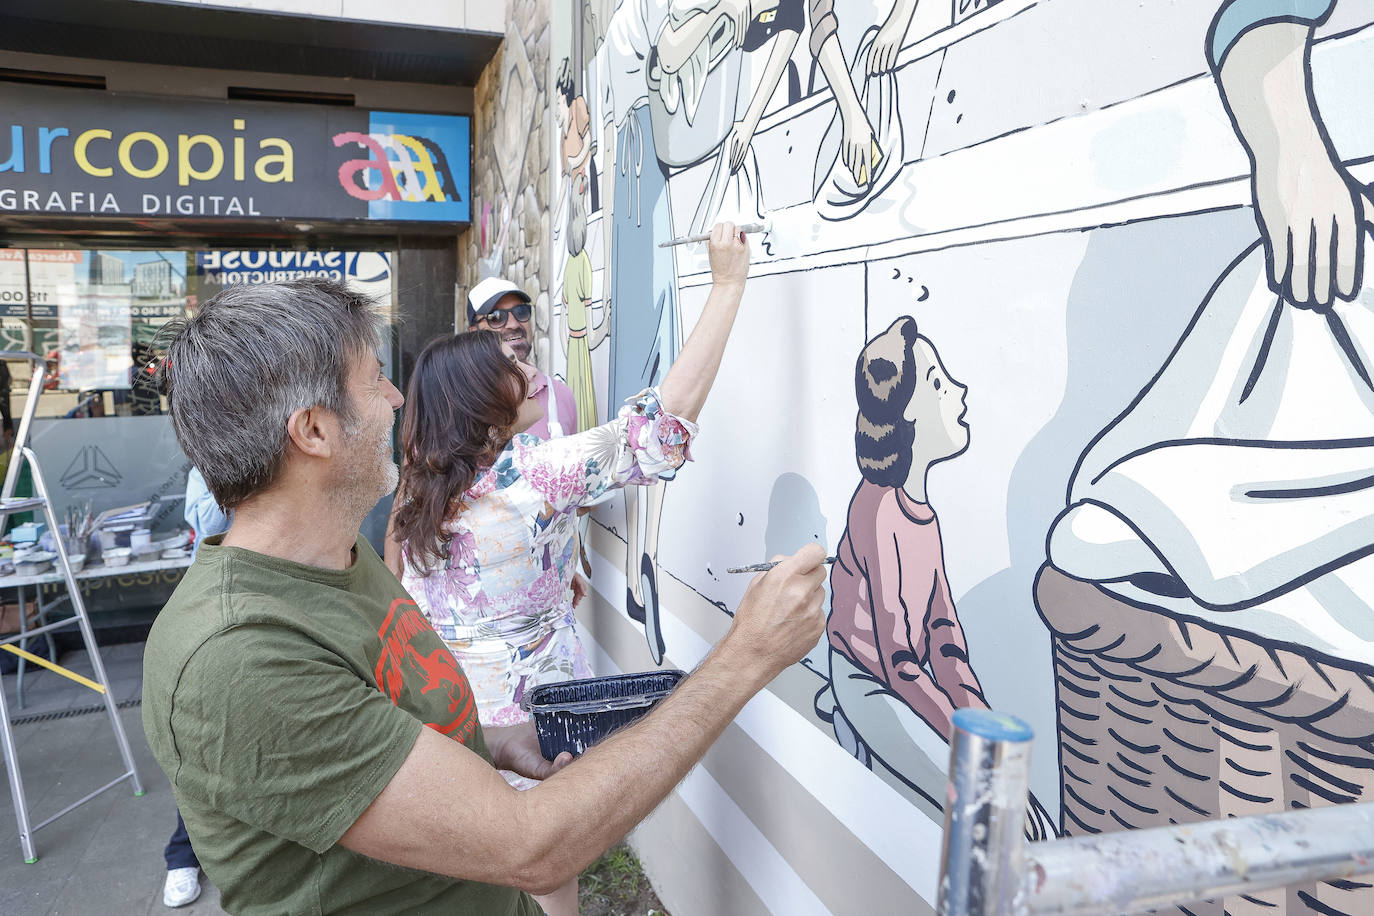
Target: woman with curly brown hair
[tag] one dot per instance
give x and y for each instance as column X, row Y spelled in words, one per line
column 486, row 516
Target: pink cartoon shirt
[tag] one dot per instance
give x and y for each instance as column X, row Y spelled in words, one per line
column 891, row 612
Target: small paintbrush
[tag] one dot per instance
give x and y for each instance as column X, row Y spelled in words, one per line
column 764, row 226
column 764, row 567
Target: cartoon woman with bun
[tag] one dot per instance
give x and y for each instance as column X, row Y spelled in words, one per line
column 899, row 661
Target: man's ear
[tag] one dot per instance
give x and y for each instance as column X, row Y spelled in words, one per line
column 312, row 431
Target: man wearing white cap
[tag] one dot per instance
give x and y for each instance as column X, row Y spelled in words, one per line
column 499, row 305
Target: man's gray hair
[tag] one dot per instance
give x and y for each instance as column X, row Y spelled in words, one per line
column 252, row 355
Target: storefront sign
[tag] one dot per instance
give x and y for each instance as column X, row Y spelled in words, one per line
column 367, row 272
column 81, row 153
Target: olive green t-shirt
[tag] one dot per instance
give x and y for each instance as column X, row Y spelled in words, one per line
column 280, row 699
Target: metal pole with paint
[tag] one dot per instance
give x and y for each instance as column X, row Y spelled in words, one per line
column 982, row 858
column 988, row 869
column 1169, row 866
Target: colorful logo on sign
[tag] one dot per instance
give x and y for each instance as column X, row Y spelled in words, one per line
column 416, row 168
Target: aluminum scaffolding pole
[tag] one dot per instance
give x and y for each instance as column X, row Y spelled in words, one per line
column 988, row 869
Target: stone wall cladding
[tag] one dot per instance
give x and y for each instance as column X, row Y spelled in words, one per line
column 511, row 184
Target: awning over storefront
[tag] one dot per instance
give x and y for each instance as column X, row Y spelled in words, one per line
column 189, row 35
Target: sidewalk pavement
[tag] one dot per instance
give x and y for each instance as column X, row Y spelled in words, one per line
column 105, row 857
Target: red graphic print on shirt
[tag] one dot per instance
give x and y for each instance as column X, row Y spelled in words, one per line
column 401, row 664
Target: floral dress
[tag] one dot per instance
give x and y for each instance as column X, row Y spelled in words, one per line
column 502, row 600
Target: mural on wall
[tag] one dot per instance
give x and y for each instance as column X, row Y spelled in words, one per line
column 1156, row 546
column 672, row 87
column 579, row 336
column 899, row 661
column 1231, row 502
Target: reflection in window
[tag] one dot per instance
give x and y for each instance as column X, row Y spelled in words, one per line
column 92, row 315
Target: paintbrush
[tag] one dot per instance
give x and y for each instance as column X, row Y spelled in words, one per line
column 764, row 567
column 765, row 226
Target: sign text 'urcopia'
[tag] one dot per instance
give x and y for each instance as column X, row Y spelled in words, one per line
column 80, row 153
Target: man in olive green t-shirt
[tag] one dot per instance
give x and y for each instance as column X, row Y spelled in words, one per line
column 266, row 809
column 316, row 731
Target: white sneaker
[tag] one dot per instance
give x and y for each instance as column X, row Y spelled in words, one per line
column 182, row 887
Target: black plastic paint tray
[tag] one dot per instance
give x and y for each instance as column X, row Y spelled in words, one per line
column 574, row 715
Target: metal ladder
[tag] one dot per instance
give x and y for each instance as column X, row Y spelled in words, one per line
column 10, row 504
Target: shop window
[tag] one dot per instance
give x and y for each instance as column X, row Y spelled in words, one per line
column 102, row 433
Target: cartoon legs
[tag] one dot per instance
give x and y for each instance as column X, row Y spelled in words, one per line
column 876, row 725
column 645, row 334
column 641, row 557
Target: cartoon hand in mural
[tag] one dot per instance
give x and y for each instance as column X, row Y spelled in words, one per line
column 689, row 24
column 743, row 133
column 1311, row 217
column 738, row 142
column 858, row 151
column 1310, row 211
column 882, row 56
column 741, row 11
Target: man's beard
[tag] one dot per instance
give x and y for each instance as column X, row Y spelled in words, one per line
column 371, row 471
column 521, row 344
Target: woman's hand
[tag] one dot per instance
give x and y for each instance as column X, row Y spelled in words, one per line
column 689, row 379
column 516, row 748
column 729, row 255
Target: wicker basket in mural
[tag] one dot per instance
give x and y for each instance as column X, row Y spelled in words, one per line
column 1164, row 720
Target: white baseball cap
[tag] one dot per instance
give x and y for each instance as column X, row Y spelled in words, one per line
column 483, row 297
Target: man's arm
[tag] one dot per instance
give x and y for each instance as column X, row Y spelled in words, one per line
column 1308, row 207
column 608, row 164
column 447, row 811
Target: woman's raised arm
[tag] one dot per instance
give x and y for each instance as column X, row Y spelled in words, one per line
column 684, row 389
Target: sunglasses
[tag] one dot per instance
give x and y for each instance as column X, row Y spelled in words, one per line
column 496, row 318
